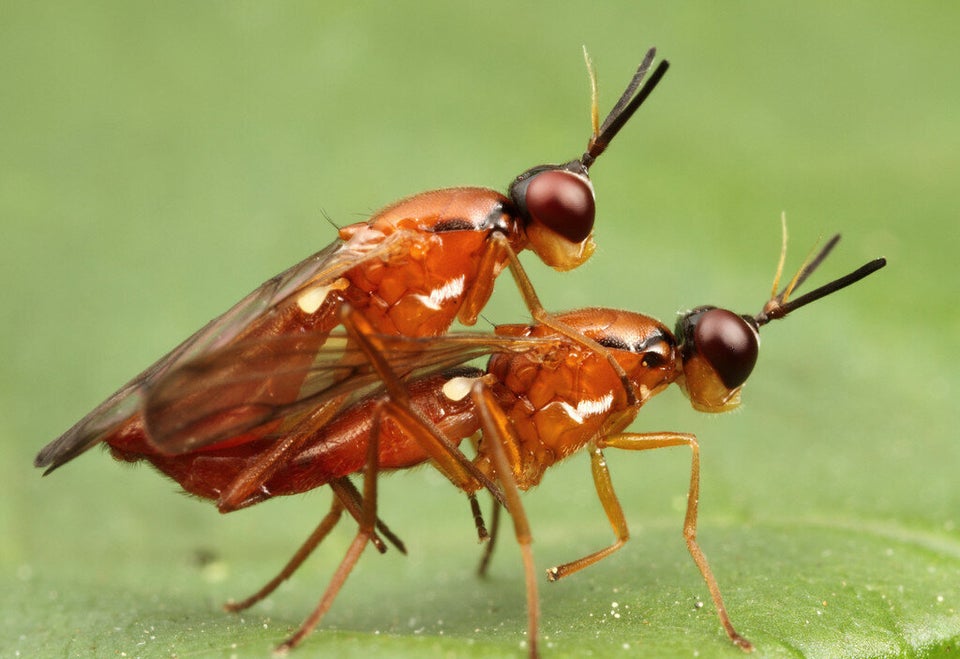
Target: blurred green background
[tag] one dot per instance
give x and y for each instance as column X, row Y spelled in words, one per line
column 160, row 160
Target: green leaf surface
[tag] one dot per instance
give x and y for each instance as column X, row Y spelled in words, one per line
column 158, row 161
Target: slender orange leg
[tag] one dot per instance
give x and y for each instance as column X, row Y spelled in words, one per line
column 496, row 431
column 490, row 537
column 611, row 506
column 447, row 456
column 326, row 525
column 364, row 534
column 345, row 496
column 352, row 500
column 649, row 441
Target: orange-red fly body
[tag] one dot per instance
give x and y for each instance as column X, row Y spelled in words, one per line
column 411, row 270
column 542, row 397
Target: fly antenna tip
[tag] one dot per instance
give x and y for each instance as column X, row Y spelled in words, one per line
column 778, row 306
column 783, row 255
column 631, row 99
column 594, row 94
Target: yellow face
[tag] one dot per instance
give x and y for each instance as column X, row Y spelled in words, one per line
column 705, row 389
column 719, row 350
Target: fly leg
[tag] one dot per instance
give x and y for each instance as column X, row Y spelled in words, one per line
column 345, row 496
column 446, row 455
column 454, row 464
column 352, row 500
column 611, row 506
column 608, row 498
column 492, row 540
column 489, row 536
column 368, row 522
column 497, row 431
column 498, row 249
column 326, row 525
column 478, row 517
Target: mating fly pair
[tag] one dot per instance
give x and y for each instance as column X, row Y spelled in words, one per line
column 271, row 398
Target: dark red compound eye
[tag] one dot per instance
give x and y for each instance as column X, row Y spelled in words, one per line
column 728, row 343
column 562, row 202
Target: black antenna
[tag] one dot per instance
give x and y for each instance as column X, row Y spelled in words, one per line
column 808, row 268
column 625, row 107
column 777, row 308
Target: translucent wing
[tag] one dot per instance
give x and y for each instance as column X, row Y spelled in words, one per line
column 238, row 323
column 209, row 401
